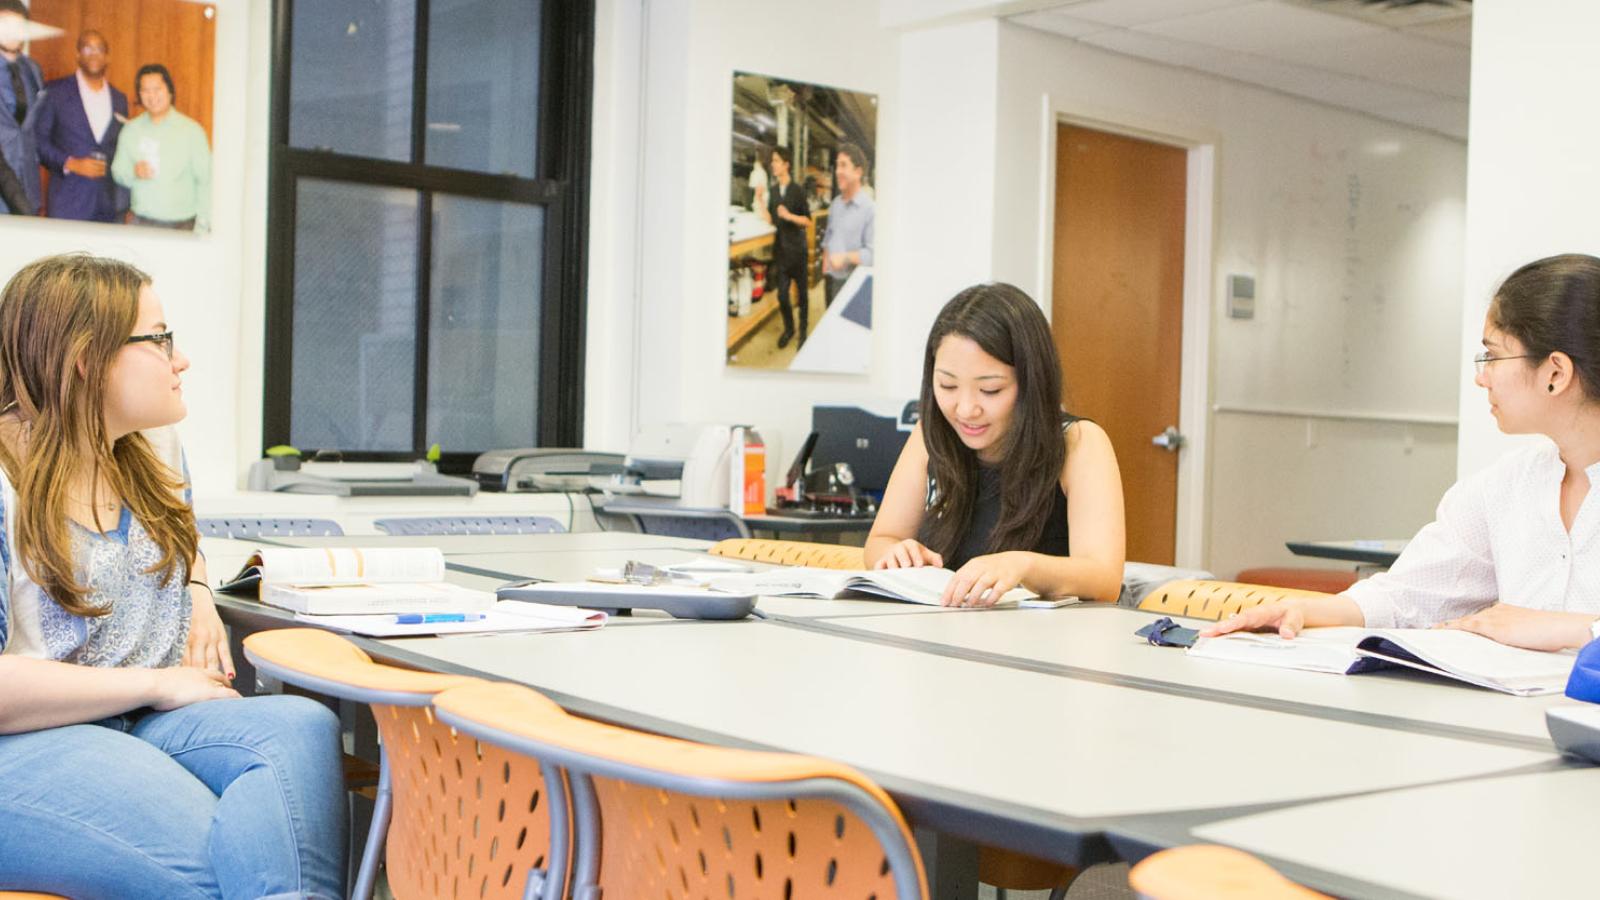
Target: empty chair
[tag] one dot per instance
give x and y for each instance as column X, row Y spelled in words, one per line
column 249, row 527
column 655, row 816
column 450, row 819
column 1327, row 581
column 470, row 525
column 1214, row 599
column 791, row 553
column 1208, row 872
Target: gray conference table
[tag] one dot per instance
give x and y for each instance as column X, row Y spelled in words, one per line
column 1044, row 762
column 1529, row 835
column 1051, row 732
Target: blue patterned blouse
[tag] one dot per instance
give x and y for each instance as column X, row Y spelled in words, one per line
column 148, row 624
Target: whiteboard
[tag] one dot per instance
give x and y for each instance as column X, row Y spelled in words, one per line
column 1355, row 238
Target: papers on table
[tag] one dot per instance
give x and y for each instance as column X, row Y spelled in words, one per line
column 502, row 616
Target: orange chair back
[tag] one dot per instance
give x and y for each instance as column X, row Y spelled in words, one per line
column 680, row 819
column 1214, row 599
column 1207, row 872
column 470, row 819
column 791, row 553
column 683, row 845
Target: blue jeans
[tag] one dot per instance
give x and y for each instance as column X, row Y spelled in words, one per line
column 227, row 798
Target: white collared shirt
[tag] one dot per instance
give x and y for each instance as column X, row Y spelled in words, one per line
column 1496, row 537
column 97, row 106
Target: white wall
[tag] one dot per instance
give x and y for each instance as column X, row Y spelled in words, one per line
column 961, row 181
column 1352, row 228
column 1532, row 175
column 204, row 281
column 665, row 323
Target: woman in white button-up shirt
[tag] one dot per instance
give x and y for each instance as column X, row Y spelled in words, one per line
column 1514, row 553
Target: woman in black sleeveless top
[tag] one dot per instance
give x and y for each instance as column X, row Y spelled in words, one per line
column 996, row 477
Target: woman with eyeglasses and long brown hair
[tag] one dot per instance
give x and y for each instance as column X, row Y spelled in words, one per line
column 128, row 768
column 1513, row 553
column 997, row 482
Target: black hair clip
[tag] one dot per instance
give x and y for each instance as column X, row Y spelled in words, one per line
column 1164, row 632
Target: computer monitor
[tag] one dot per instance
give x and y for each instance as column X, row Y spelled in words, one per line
column 869, row 438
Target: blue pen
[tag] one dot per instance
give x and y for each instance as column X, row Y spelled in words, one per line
column 430, row 618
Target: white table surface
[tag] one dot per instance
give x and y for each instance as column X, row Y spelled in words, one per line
column 913, row 717
column 1518, row 836
column 454, row 544
column 1100, row 638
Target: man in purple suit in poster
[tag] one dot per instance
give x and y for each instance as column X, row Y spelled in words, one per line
column 80, row 117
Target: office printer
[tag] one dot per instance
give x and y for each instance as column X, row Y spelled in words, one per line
column 695, row 456
column 289, row 474
column 543, row 468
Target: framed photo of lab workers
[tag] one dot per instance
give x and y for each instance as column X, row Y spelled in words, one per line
column 802, row 226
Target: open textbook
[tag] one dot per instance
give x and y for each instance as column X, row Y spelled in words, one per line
column 920, row 585
column 355, row 581
column 1349, row 650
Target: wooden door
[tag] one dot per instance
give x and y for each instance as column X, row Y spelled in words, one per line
column 1117, row 315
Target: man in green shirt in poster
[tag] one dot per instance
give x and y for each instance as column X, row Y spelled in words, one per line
column 164, row 160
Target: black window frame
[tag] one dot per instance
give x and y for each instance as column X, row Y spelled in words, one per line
column 560, row 185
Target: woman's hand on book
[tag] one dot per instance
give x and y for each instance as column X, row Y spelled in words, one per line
column 908, row 554
column 1286, row 617
column 1532, row 629
column 985, row 579
column 1290, row 615
column 182, row 685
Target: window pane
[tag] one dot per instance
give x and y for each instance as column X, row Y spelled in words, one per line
column 483, row 85
column 483, row 329
column 350, row 72
column 355, row 317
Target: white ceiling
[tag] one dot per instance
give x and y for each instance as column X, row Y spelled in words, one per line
column 1408, row 64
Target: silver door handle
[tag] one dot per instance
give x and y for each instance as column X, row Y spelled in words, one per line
column 1170, row 440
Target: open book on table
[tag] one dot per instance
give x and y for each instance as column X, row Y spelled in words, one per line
column 356, row 581
column 920, row 585
column 1462, row 655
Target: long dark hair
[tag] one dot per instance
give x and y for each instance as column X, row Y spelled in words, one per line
column 1553, row 304
column 1007, row 325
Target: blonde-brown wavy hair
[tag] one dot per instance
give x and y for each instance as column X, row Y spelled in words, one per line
column 63, row 320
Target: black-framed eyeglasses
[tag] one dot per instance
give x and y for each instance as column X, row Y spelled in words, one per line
column 162, row 339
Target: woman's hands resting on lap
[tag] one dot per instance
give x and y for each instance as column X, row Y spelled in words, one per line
column 183, row 685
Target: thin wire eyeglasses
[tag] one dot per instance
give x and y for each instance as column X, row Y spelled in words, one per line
column 162, row 339
column 1482, row 360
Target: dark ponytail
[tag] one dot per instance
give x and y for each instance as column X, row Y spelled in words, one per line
column 1551, row 305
